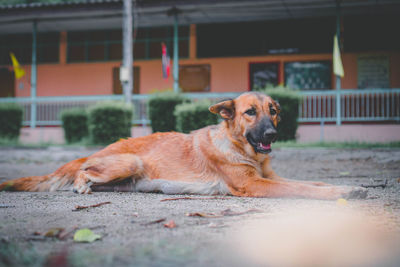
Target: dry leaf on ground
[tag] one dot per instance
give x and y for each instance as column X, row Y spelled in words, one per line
column 54, row 232
column 85, row 235
column 170, row 224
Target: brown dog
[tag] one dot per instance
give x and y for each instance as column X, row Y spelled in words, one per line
column 229, row 158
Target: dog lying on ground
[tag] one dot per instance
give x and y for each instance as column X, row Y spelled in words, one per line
column 228, row 158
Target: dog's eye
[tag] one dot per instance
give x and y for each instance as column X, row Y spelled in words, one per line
column 272, row 111
column 251, row 112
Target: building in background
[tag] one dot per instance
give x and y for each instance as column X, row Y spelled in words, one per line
column 234, row 46
column 224, row 46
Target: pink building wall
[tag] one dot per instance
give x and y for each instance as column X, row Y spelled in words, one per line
column 227, row 74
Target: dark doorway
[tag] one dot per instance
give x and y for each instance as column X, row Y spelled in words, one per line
column 7, row 83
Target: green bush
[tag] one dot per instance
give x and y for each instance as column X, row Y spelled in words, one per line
column 161, row 111
column 193, row 116
column 289, row 101
column 74, row 123
column 10, row 120
column 109, row 121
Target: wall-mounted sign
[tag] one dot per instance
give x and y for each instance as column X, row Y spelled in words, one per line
column 194, row 78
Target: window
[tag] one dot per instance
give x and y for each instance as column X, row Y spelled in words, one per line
column 48, row 47
column 308, row 75
column 94, row 46
column 263, row 75
column 21, row 45
column 90, row 46
column 373, row 71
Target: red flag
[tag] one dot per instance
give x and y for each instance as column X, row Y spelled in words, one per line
column 165, row 61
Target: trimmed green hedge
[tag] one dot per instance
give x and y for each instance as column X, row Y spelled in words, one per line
column 161, row 111
column 74, row 123
column 193, row 116
column 289, row 101
column 10, row 120
column 109, row 121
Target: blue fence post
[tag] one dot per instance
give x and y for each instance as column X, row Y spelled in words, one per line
column 33, row 76
column 322, row 131
column 338, row 102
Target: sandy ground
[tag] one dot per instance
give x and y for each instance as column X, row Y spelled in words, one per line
column 275, row 232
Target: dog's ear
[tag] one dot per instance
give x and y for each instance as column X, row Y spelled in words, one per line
column 225, row 108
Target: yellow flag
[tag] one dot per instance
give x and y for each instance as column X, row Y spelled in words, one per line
column 18, row 71
column 337, row 61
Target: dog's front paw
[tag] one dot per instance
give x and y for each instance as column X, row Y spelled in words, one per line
column 82, row 189
column 356, row 193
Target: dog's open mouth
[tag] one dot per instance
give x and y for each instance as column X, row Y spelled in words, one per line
column 259, row 147
column 263, row 148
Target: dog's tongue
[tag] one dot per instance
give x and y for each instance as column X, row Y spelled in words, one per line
column 264, row 146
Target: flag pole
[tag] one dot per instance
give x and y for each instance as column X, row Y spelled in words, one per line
column 176, row 55
column 338, row 80
column 33, row 76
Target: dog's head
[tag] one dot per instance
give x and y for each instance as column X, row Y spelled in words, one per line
column 252, row 117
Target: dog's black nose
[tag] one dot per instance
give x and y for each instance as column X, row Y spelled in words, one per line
column 270, row 134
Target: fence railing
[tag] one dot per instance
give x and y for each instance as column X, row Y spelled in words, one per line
column 355, row 105
column 316, row 106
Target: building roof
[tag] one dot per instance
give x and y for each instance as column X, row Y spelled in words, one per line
column 107, row 14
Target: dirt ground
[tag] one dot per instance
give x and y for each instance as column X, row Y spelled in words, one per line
column 270, row 232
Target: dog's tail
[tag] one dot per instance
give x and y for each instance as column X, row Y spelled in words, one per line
column 62, row 178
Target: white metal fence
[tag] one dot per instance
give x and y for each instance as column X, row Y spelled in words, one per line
column 356, row 105
column 316, row 106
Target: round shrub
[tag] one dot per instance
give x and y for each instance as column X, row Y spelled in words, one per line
column 10, row 120
column 109, row 121
column 74, row 123
column 161, row 111
column 193, row 116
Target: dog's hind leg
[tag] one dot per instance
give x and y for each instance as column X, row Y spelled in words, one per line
column 107, row 169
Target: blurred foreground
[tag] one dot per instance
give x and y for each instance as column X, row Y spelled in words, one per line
column 215, row 232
